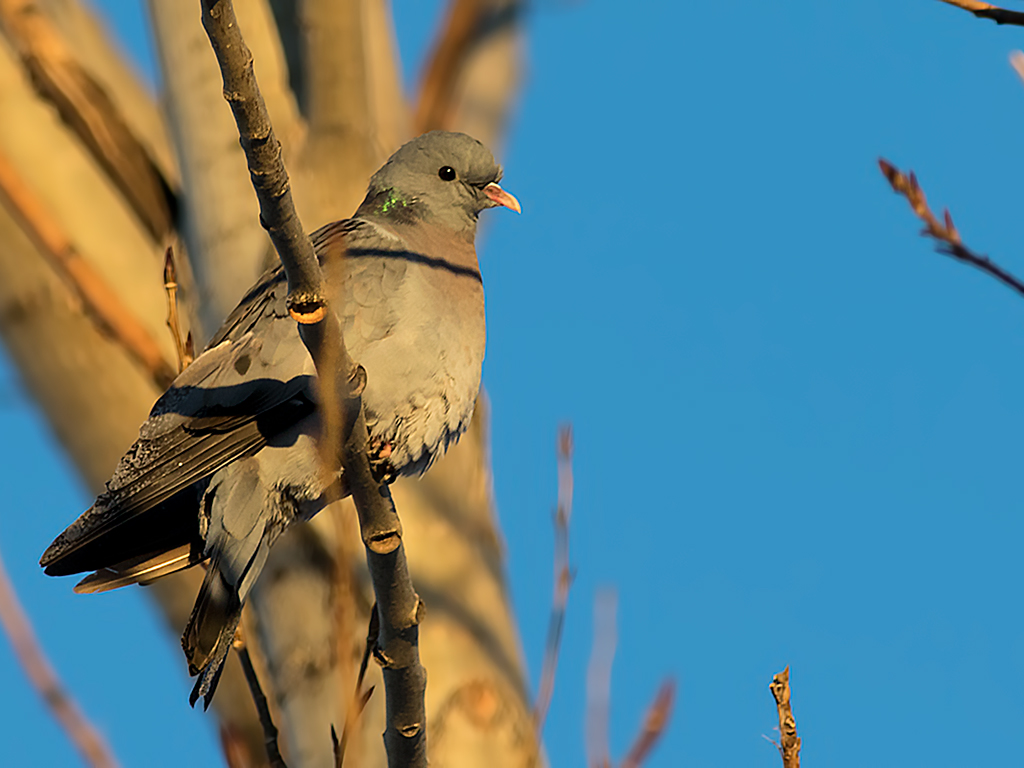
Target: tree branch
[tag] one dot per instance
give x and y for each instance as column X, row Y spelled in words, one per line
column 96, row 297
column 563, row 580
column 789, row 747
column 599, row 680
column 433, row 110
column 262, row 707
column 225, row 244
column 654, row 725
column 399, row 606
column 484, row 86
column 79, row 730
column 947, row 238
column 987, row 11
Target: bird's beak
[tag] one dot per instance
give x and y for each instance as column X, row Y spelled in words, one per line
column 500, row 197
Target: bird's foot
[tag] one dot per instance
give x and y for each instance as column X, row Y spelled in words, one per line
column 380, row 464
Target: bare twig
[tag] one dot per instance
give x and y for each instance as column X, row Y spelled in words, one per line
column 654, row 725
column 262, row 707
column 944, row 232
column 360, row 698
column 398, row 605
column 97, row 298
column 79, row 730
column 790, row 742
column 563, row 579
column 599, row 694
column 987, row 11
column 433, row 109
column 599, row 680
column 181, row 345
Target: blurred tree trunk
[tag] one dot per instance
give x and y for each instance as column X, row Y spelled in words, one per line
column 68, row 196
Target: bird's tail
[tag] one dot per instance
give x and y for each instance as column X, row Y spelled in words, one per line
column 140, row 570
column 210, row 633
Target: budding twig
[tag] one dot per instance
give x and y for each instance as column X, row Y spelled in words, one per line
column 183, row 347
column 944, row 232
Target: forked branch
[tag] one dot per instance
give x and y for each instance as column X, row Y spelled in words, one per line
column 945, row 234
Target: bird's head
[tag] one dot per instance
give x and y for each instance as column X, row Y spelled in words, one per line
column 443, row 177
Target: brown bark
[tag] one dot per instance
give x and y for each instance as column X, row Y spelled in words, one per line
column 789, row 742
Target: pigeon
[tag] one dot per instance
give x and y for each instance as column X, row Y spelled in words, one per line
column 228, row 458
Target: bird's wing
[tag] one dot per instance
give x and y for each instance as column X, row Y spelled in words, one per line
column 235, row 397
column 254, row 380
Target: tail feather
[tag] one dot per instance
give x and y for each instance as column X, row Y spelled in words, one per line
column 142, row 570
column 210, row 632
column 209, row 677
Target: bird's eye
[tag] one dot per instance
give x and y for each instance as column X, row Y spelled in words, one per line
column 447, row 173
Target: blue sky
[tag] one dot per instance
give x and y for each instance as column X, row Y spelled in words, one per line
column 797, row 430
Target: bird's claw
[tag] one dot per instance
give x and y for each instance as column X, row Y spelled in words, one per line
column 380, row 465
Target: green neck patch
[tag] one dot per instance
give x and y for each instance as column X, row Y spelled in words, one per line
column 389, row 201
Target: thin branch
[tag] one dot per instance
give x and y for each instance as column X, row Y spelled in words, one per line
column 947, row 238
column 563, row 580
column 182, row 346
column 398, row 605
column 790, row 742
column 97, row 298
column 262, row 707
column 79, row 730
column 433, row 109
column 487, row 82
column 599, row 680
column 360, row 698
column 654, row 725
column 987, row 11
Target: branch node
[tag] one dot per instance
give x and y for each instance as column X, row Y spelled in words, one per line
column 306, row 308
column 411, row 731
column 385, row 542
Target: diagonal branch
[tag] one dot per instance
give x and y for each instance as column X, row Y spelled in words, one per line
column 434, row 106
column 654, row 725
column 79, row 730
column 399, row 606
column 563, row 580
column 789, row 748
column 99, row 299
column 944, row 233
column 88, row 109
column 262, row 707
column 987, row 11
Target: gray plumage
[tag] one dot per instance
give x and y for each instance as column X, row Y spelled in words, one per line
column 228, row 458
